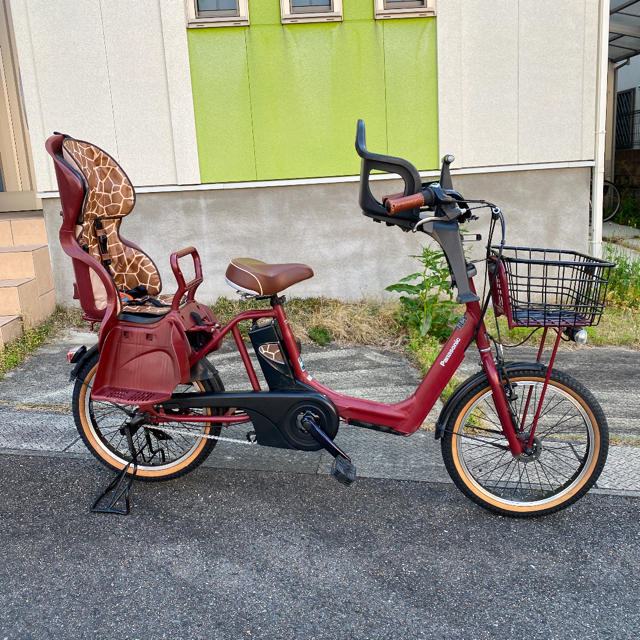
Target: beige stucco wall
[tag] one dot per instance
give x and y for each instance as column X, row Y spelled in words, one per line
column 114, row 72
column 517, row 80
column 321, row 225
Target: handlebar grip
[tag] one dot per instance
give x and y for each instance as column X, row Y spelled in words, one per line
column 392, row 196
column 395, row 205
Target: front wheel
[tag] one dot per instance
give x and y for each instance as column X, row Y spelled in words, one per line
column 569, row 448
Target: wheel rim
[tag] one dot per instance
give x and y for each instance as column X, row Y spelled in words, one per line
column 563, row 462
column 101, row 423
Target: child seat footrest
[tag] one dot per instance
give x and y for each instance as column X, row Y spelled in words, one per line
column 128, row 396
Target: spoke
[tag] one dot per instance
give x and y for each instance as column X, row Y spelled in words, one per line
column 562, row 459
column 496, row 468
column 544, row 464
column 546, row 475
column 562, row 420
column 552, row 429
column 491, row 454
column 526, row 471
column 519, row 479
column 575, row 452
column 545, row 411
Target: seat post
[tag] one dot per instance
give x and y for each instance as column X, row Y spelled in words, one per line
column 276, row 300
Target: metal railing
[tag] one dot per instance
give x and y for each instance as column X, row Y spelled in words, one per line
column 628, row 130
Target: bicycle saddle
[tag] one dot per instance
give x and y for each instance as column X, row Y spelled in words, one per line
column 254, row 276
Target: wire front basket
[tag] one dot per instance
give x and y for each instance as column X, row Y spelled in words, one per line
column 549, row 287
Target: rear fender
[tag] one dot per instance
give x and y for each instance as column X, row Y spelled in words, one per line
column 82, row 359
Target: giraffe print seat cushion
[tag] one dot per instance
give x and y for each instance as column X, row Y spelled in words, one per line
column 109, row 197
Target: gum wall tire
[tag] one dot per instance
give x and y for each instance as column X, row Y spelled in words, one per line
column 587, row 473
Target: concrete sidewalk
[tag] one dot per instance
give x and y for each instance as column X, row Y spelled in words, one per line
column 35, row 411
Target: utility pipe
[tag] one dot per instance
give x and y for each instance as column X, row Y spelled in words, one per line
column 597, row 181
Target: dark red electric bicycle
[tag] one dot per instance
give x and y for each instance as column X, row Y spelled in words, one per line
column 518, row 439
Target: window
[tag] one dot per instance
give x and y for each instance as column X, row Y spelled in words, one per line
column 217, row 13
column 404, row 8
column 311, row 11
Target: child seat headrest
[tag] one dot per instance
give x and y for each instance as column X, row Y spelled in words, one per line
column 109, row 192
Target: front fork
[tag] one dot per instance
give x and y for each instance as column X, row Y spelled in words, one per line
column 498, row 391
column 517, row 446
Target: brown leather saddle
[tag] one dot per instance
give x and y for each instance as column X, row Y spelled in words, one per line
column 252, row 276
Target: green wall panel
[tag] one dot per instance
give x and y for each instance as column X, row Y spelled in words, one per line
column 222, row 104
column 263, row 12
column 307, row 94
column 357, row 10
column 279, row 101
column 412, row 90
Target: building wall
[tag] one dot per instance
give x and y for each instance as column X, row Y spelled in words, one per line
column 517, row 80
column 322, row 226
column 277, row 101
column 113, row 72
column 515, row 86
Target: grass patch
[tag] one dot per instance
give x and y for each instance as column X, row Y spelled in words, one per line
column 618, row 328
column 19, row 350
column 320, row 335
column 314, row 319
column 624, row 281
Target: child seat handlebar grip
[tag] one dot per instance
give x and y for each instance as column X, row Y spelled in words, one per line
column 396, row 204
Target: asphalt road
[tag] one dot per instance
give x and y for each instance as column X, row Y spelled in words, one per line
column 251, row 554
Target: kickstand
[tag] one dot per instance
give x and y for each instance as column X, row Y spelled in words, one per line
column 120, row 487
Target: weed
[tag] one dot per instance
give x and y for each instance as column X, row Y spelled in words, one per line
column 624, row 280
column 629, row 213
column 320, row 335
column 428, row 306
column 363, row 322
column 16, row 352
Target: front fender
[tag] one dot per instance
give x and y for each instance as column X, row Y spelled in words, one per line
column 462, row 388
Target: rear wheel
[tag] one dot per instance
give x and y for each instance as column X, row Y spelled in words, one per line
column 569, row 448
column 164, row 453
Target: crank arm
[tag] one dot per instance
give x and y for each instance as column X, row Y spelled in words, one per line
column 322, row 438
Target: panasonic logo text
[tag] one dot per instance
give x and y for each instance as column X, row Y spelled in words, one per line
column 456, row 342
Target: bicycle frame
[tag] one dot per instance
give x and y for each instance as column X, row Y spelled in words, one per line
column 404, row 417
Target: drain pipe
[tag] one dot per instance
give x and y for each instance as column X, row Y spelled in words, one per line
column 597, row 181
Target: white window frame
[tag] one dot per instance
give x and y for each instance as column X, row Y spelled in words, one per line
column 195, row 21
column 410, row 12
column 290, row 17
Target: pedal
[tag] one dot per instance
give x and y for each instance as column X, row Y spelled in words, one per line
column 343, row 470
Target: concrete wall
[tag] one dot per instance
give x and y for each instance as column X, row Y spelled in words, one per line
column 113, row 72
column 322, row 226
